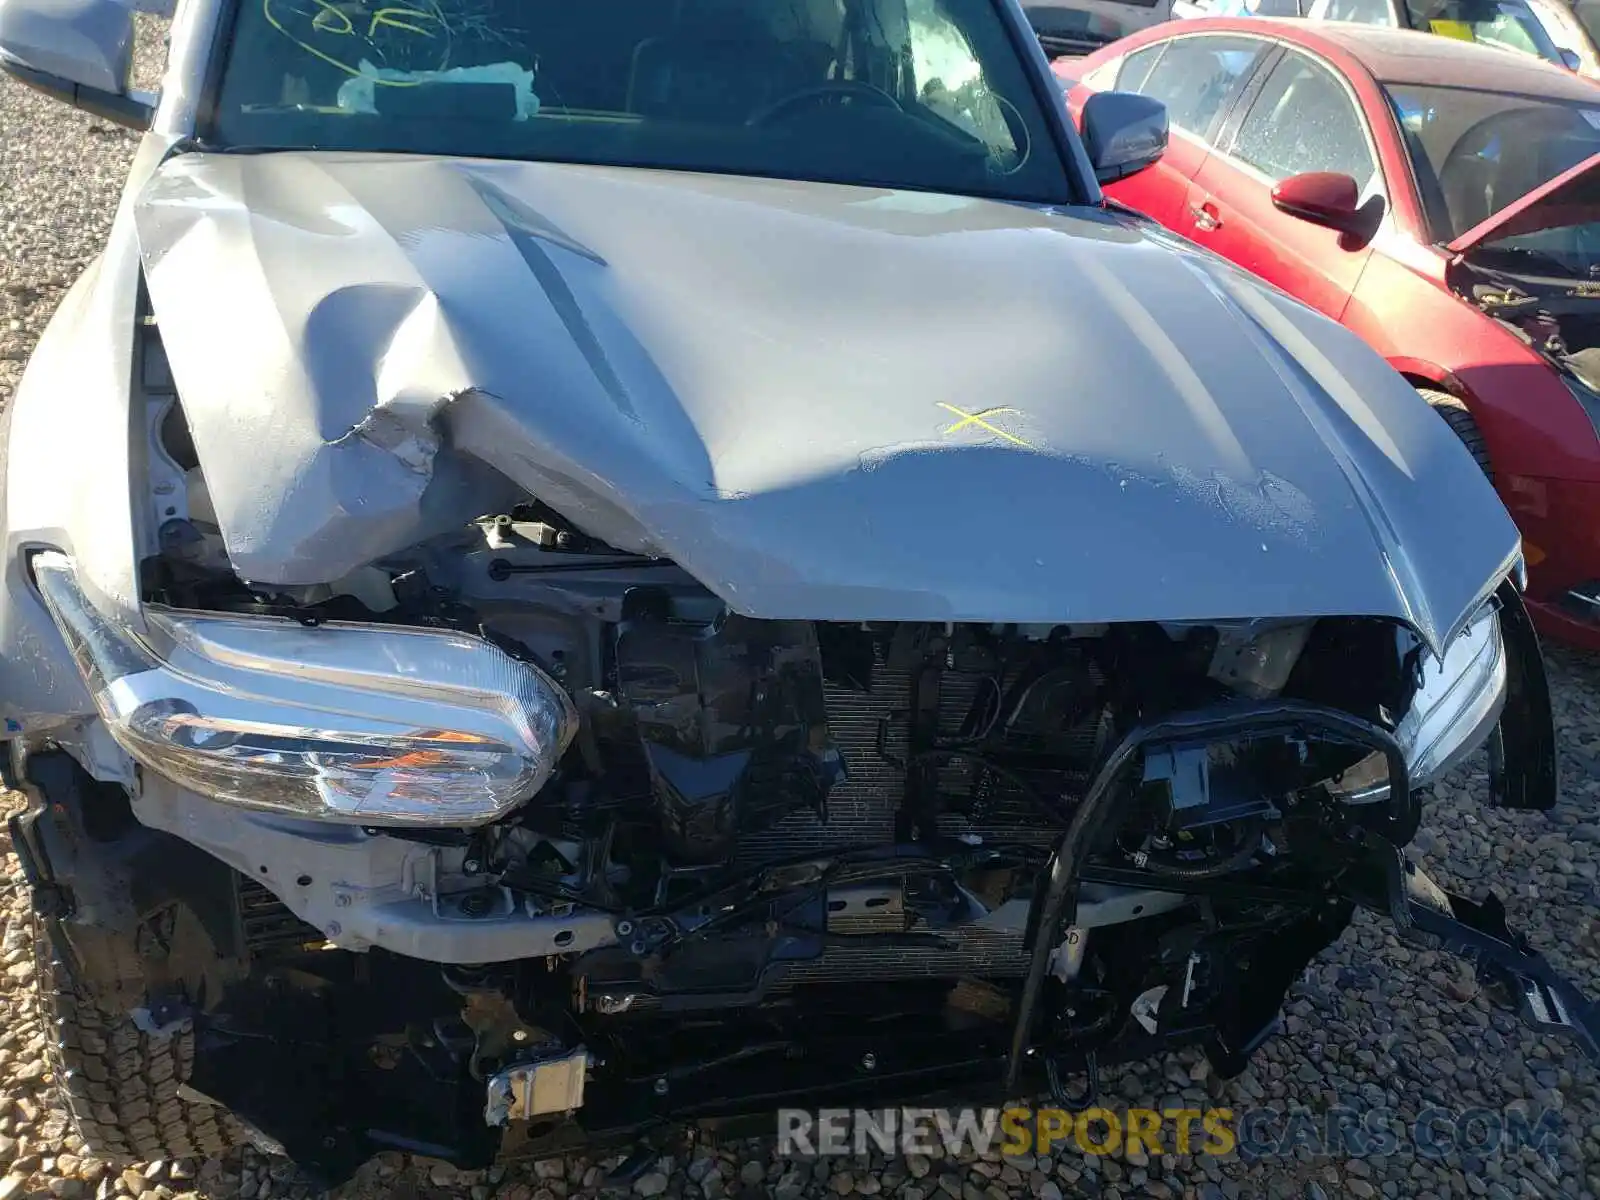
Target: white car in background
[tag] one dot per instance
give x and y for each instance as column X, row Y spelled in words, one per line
column 1547, row 29
column 1188, row 9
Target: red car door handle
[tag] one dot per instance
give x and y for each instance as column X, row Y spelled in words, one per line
column 1205, row 217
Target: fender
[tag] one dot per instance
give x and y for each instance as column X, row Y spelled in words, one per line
column 1524, row 771
column 1419, row 370
column 137, row 915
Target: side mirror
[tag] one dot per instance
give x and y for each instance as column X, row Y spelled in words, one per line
column 1570, row 60
column 1123, row 132
column 1324, row 198
column 77, row 51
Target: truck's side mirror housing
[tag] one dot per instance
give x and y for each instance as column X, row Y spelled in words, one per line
column 78, row 51
column 1123, row 132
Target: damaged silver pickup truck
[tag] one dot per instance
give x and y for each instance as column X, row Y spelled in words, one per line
column 575, row 570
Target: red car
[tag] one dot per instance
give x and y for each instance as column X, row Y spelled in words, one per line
column 1439, row 198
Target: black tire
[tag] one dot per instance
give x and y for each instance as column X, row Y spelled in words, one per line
column 120, row 1084
column 1455, row 415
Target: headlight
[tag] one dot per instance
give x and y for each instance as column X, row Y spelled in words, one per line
column 1450, row 716
column 344, row 722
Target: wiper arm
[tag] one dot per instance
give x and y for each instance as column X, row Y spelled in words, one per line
column 194, row 145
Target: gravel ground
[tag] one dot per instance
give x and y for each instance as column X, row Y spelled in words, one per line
column 1375, row 1025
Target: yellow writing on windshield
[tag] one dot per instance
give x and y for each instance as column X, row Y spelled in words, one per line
column 331, row 20
column 401, row 18
column 343, row 32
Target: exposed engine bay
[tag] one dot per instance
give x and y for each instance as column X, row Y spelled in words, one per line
column 767, row 859
column 1542, row 303
column 611, row 644
column 794, row 858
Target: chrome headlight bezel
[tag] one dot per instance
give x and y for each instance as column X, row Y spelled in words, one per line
column 1452, row 712
column 356, row 723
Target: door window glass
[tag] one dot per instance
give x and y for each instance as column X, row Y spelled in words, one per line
column 1136, row 68
column 1197, row 76
column 1303, row 120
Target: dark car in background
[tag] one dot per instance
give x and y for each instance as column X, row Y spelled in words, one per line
column 1067, row 27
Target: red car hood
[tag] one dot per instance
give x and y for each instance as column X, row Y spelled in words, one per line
column 1570, row 197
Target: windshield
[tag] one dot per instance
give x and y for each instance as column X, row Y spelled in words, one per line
column 1476, row 152
column 1507, row 23
column 921, row 94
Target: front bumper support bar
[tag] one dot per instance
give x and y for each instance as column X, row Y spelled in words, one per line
column 1055, row 907
column 1507, row 965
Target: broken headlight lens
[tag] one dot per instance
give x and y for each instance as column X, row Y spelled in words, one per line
column 1451, row 714
column 361, row 723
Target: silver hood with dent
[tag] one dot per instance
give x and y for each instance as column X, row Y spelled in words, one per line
column 825, row 402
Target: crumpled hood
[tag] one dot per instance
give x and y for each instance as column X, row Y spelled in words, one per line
column 825, row 402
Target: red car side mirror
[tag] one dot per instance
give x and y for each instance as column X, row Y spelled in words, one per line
column 1325, row 198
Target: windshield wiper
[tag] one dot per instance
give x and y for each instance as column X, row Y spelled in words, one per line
column 194, row 145
column 1541, row 260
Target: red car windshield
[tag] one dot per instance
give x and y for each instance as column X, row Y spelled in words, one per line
column 1476, row 152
